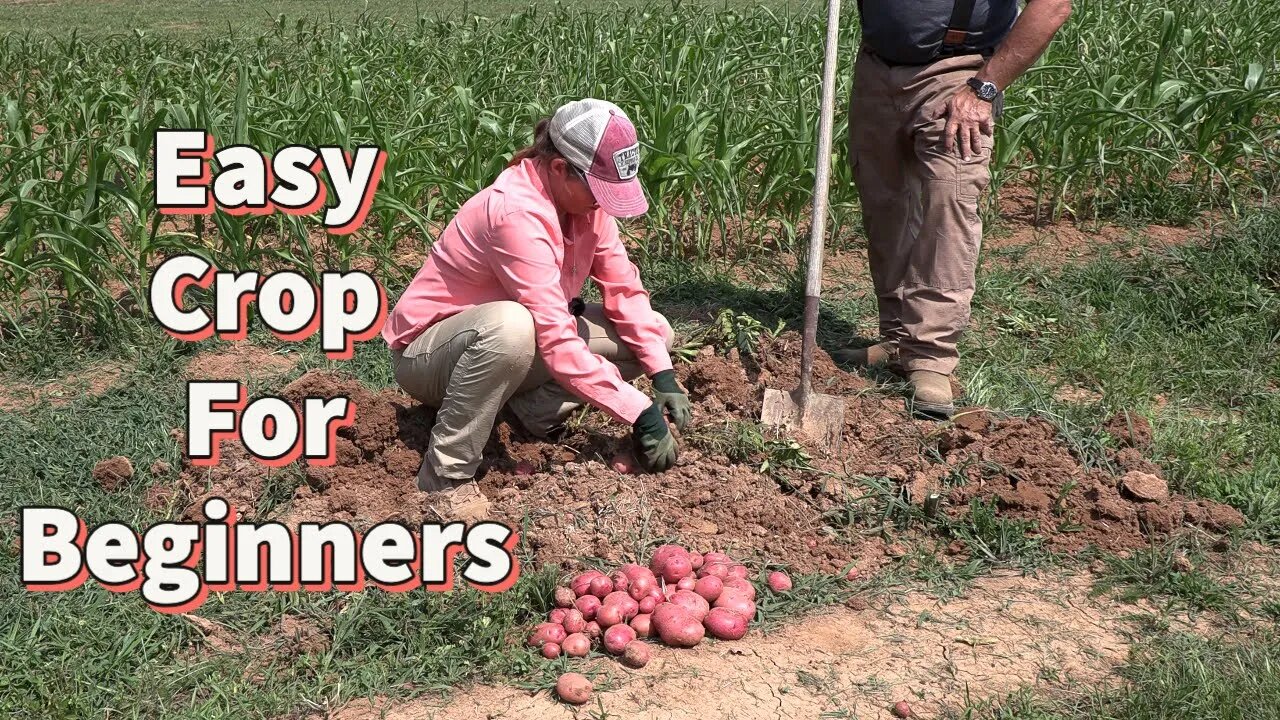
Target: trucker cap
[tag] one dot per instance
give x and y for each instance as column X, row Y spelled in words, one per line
column 598, row 139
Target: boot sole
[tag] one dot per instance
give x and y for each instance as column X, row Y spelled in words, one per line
column 931, row 411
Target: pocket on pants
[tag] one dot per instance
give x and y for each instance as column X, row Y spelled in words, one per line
column 973, row 176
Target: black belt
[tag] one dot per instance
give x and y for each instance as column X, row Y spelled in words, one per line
column 941, row 55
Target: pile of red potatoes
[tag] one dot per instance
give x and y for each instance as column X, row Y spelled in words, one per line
column 680, row 598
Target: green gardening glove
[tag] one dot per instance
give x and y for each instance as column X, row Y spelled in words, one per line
column 654, row 446
column 672, row 398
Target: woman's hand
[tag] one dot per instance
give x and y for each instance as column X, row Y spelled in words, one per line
column 672, row 398
column 654, row 446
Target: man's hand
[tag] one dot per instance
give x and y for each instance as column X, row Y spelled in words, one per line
column 968, row 119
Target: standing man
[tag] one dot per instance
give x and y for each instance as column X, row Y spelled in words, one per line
column 928, row 84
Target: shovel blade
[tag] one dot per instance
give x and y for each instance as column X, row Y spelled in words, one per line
column 822, row 419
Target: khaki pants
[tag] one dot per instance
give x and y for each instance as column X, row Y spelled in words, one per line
column 919, row 204
column 472, row 364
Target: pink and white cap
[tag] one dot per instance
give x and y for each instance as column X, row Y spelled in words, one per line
column 598, row 139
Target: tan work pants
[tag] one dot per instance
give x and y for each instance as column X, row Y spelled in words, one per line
column 470, row 365
column 919, row 204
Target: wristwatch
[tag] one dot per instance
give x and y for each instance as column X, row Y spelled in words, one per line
column 984, row 89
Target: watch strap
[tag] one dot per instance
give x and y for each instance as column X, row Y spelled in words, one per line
column 978, row 85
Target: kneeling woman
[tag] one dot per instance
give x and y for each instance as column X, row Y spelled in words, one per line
column 493, row 319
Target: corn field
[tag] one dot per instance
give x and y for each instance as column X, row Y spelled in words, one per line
column 1136, row 111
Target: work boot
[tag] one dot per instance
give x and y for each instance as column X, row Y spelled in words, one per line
column 931, row 394
column 453, row 500
column 883, row 354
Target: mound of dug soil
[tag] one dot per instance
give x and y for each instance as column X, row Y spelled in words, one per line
column 570, row 504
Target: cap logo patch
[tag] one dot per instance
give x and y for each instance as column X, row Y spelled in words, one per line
column 627, row 161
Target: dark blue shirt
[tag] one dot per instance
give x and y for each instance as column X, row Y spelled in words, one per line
column 910, row 32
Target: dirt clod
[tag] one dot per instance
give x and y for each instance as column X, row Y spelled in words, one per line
column 1144, row 486
column 301, row 636
column 113, row 472
column 158, row 498
column 1129, row 429
column 856, row 603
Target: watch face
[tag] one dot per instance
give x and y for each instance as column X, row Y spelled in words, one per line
column 984, row 90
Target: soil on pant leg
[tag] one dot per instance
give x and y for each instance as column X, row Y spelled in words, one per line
column 570, row 504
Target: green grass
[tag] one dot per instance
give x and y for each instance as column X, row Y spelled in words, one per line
column 90, row 652
column 1170, row 677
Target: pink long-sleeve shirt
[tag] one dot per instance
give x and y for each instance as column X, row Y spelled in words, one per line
column 506, row 243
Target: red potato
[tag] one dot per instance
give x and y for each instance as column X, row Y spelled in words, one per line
column 593, row 630
column 617, row 637
column 641, row 585
column 725, row 624
column 677, row 566
column 524, row 467
column 623, row 602
column 695, row 560
column 901, row 709
column 693, row 602
column 738, row 571
column 852, row 574
column 715, row 565
column 581, row 585
column 709, row 587
column 668, row 592
column 620, row 581
column 642, row 625
column 663, row 555
column 573, row 688
column 556, row 616
column 574, row 622
column 576, row 645
column 676, row 626
column 547, row 633
column 779, row 581
column 738, row 602
column 636, row 655
column 564, row 597
column 646, row 605
column 551, row 651
column 716, row 570
column 601, row 586
column 686, row 583
column 658, row 593
column 608, row 616
column 623, row 463
column 633, row 571
column 588, row 605
column 744, row 586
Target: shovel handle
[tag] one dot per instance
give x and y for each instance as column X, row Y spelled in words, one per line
column 822, row 182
